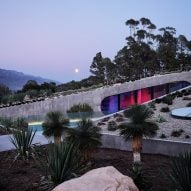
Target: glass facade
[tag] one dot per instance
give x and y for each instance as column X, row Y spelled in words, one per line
column 160, row 90
column 127, row 99
column 110, row 104
column 144, row 95
column 122, row 101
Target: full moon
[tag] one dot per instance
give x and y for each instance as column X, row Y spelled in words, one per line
column 76, row 70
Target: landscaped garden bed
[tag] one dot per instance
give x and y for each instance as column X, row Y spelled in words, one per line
column 25, row 175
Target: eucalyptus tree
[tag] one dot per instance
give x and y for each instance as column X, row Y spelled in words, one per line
column 110, row 71
column 167, row 46
column 132, row 25
column 98, row 67
column 103, row 68
column 182, row 51
column 145, row 22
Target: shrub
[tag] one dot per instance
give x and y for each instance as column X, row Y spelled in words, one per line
column 112, row 126
column 186, row 98
column 162, row 136
column 168, row 100
column 80, row 108
column 177, row 133
column 158, row 101
column 180, row 174
column 186, row 93
column 152, row 105
column 20, row 123
column 6, row 122
column 187, row 136
column 80, row 111
column 160, row 119
column 179, row 94
column 119, row 119
column 100, row 123
column 140, row 177
column 106, row 119
column 189, row 104
column 164, row 109
column 117, row 115
column 22, row 140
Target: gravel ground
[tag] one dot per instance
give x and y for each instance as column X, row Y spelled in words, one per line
column 169, row 125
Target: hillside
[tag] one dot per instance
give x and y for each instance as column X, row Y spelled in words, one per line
column 15, row 80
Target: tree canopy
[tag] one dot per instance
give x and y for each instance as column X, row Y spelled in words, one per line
column 147, row 51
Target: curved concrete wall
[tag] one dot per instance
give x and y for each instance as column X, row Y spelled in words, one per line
column 93, row 97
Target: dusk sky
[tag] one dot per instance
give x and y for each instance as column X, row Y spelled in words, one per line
column 51, row 38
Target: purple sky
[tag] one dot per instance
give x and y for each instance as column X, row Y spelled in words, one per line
column 50, row 38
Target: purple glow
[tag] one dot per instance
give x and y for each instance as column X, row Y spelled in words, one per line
column 51, row 38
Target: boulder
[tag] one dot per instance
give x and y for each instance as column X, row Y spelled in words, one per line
column 101, row 179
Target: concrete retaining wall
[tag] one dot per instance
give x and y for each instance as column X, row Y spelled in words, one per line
column 151, row 146
column 93, row 97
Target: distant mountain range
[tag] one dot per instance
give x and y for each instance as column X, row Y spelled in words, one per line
column 15, row 80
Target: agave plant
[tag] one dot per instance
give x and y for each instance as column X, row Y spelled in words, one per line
column 181, row 172
column 22, row 140
column 87, row 136
column 60, row 163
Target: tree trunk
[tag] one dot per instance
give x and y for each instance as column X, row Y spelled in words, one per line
column 87, row 155
column 137, row 147
column 57, row 140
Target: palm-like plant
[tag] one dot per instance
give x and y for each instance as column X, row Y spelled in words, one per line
column 138, row 126
column 87, row 136
column 54, row 125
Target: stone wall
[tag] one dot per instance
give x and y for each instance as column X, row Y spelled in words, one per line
column 93, row 97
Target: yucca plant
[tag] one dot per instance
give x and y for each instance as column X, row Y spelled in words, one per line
column 61, row 162
column 22, row 140
column 180, row 174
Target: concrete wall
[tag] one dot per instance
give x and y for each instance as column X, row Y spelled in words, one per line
column 93, row 97
column 151, row 146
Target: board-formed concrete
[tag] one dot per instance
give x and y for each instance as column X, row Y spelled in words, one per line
column 92, row 97
column 150, row 146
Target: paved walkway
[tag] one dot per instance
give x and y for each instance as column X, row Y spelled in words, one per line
column 5, row 143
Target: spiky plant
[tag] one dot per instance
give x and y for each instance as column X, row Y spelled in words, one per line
column 22, row 140
column 54, row 125
column 61, row 162
column 180, row 174
column 87, row 136
column 139, row 125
